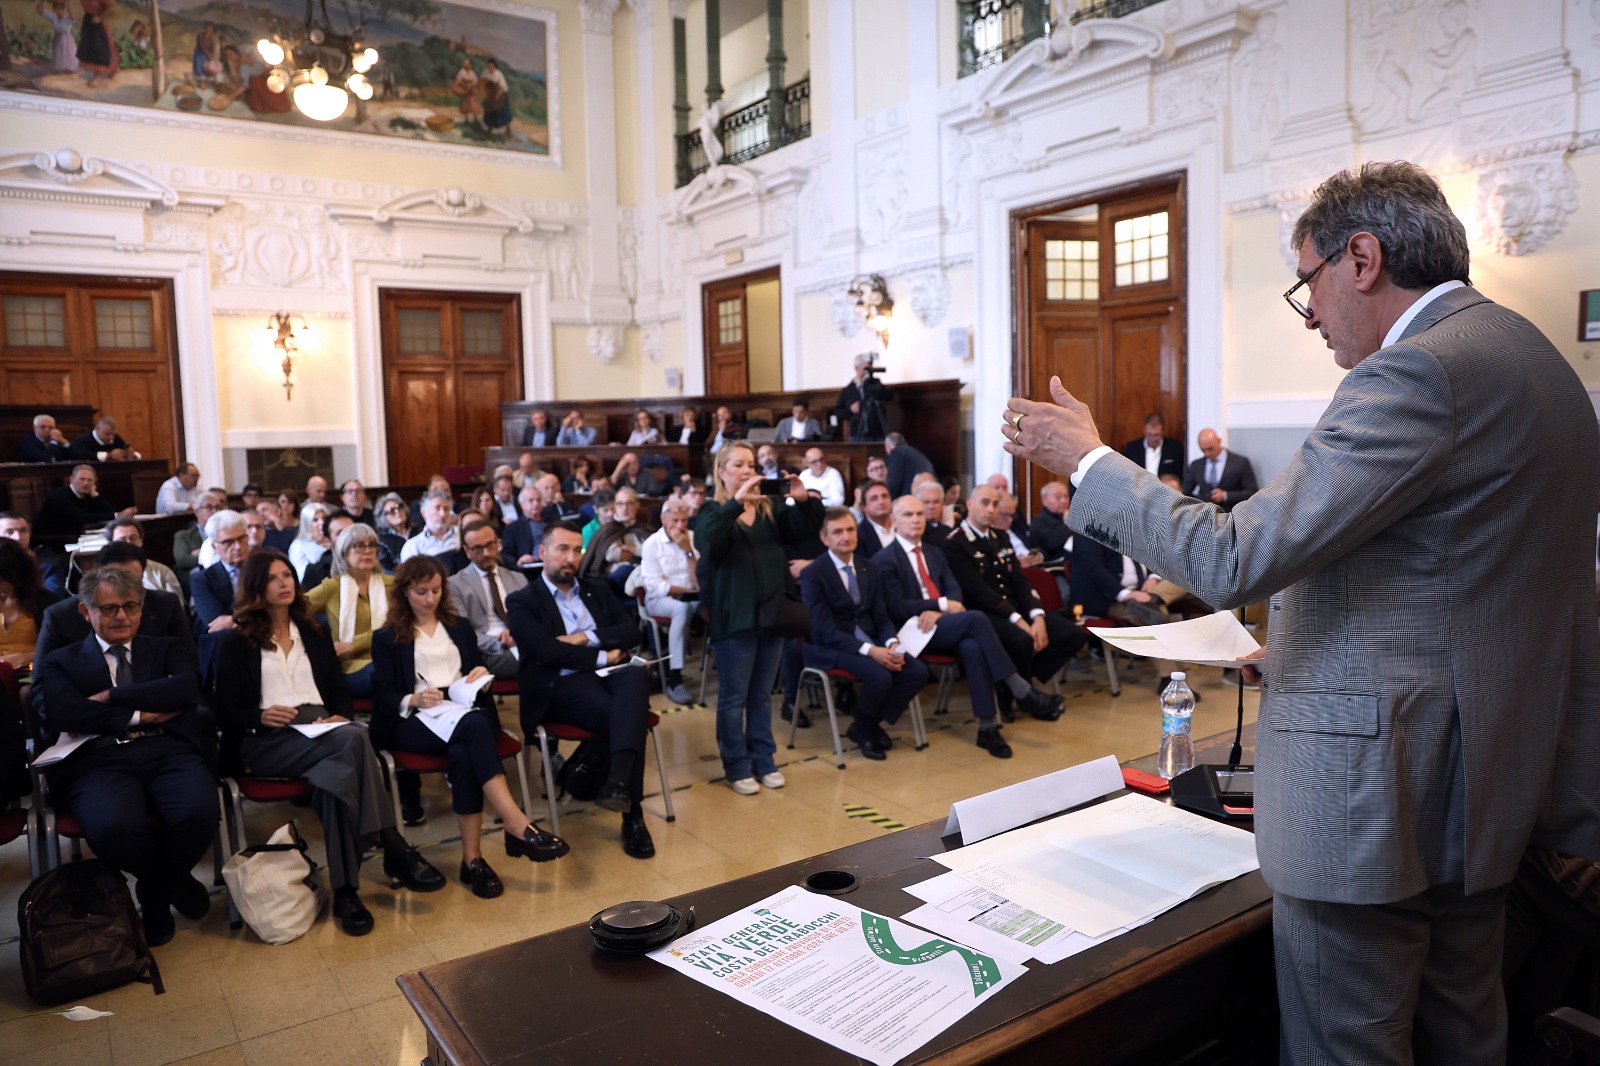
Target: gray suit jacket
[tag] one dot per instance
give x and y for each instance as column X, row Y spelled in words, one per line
column 1433, row 666
column 472, row 602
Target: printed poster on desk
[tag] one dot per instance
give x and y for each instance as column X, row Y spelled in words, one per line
column 868, row 985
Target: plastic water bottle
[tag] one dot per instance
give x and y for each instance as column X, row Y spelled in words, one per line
column 1177, row 744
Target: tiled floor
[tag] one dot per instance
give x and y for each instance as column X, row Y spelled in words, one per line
column 332, row 998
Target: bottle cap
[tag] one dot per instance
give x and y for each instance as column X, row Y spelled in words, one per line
column 1179, row 675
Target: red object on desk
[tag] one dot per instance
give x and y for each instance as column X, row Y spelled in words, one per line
column 1154, row 784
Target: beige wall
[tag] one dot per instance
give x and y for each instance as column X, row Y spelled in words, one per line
column 765, row 336
column 250, row 376
column 916, row 352
column 883, row 63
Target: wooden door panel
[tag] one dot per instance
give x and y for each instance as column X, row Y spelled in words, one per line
column 44, row 385
column 1067, row 345
column 421, row 429
column 132, row 395
column 1144, row 372
column 727, row 340
column 480, row 394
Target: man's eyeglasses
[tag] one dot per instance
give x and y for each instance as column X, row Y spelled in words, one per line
column 111, row 610
column 1299, row 308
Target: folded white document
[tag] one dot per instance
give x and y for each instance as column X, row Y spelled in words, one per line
column 1026, row 801
column 65, row 745
column 1210, row 640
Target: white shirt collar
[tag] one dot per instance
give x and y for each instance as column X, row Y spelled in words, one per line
column 905, row 545
column 1400, row 324
column 840, row 564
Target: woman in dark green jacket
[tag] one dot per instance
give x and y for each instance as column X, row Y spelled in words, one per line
column 741, row 537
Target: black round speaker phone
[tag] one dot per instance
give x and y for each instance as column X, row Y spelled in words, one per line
column 639, row 926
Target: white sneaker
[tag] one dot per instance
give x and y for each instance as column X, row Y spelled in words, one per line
column 745, row 786
column 773, row 780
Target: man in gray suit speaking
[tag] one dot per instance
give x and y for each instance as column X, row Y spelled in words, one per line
column 1432, row 699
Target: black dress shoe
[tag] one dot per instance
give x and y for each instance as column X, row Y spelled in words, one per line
column 534, row 843
column 1041, row 705
column 636, row 838
column 484, row 881
column 790, row 711
column 411, row 870
column 992, row 742
column 191, row 899
column 353, row 916
column 885, row 741
column 868, row 744
column 613, row 797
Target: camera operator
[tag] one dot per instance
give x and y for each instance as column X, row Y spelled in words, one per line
column 861, row 402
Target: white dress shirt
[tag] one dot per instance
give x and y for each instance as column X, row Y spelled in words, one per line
column 664, row 565
column 425, row 543
column 885, row 533
column 172, row 497
column 286, row 677
column 438, row 663
column 828, row 483
column 911, row 549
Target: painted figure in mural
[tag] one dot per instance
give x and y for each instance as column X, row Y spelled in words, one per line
column 139, row 34
column 96, row 53
column 465, row 86
column 496, row 100
column 207, row 60
column 64, row 54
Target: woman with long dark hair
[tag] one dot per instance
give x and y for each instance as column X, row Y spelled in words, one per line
column 741, row 538
column 277, row 669
column 424, row 649
column 23, row 599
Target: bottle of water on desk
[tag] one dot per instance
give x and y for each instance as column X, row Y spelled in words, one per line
column 1177, row 744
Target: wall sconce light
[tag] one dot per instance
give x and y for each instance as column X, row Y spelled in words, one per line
column 873, row 303
column 281, row 328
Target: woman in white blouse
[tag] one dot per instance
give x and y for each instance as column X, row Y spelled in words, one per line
column 644, row 429
column 424, row 649
column 277, row 670
column 312, row 543
column 670, row 588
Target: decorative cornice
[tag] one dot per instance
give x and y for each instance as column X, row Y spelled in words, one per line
column 70, row 168
column 597, row 14
column 455, row 207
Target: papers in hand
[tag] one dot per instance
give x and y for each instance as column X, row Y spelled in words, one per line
column 637, row 660
column 442, row 717
column 1107, row 867
column 1006, row 808
column 912, row 638
column 65, row 745
column 1210, row 640
column 316, row 729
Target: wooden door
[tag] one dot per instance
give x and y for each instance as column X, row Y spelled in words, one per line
column 1100, row 298
column 449, row 361
column 108, row 343
column 727, row 322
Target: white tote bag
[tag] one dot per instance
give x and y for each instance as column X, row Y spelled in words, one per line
column 275, row 887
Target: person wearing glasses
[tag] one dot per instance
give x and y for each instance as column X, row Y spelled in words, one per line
column 353, row 499
column 355, row 599
column 1433, row 662
column 393, row 522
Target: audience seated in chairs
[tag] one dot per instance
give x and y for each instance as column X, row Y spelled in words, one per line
column 319, row 571
column 46, row 444
column 918, row 584
column 629, row 474
column 504, row 493
column 851, row 630
column 566, row 629
column 439, row 535
column 1039, row 642
column 614, row 550
column 392, row 519
column 283, row 520
column 876, row 530
column 186, row 543
column 19, row 528
column 311, row 543
column 353, row 501
column 1048, row 534
column 180, row 491
column 355, row 599
column 317, row 490
column 577, row 479
column 667, row 574
column 23, row 602
column 645, row 430
column 941, row 517
column 163, row 614
column 102, row 444
column 798, row 426
column 418, row 655
column 574, row 434
column 689, row 431
column 487, row 507
column 521, row 538
column 212, row 590
column 538, row 433
column 1020, row 538
column 151, row 752
column 278, row 669
column 479, row 592
column 556, row 506
column 71, row 508
column 822, row 479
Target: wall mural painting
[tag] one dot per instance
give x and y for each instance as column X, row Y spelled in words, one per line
column 446, row 73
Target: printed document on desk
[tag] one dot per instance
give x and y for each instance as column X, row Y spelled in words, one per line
column 1108, row 866
column 866, row 984
column 1210, row 640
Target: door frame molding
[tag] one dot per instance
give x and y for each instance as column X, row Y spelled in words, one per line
column 707, row 320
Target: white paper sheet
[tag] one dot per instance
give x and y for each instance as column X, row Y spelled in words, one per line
column 1026, row 801
column 465, row 692
column 607, row 671
column 1089, row 869
column 912, row 639
column 1210, row 640
column 442, row 717
column 869, row 985
column 316, row 729
column 65, row 745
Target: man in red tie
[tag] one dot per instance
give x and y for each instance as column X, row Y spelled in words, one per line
column 918, row 584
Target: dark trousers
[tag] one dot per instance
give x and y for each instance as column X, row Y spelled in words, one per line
column 472, row 752
column 616, row 707
column 884, row 694
column 1065, row 640
column 970, row 637
column 1417, row 980
column 123, row 785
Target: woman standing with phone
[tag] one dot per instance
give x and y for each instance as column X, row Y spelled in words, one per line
column 741, row 538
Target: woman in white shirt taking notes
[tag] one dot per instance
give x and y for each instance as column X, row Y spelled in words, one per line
column 423, row 650
column 277, row 669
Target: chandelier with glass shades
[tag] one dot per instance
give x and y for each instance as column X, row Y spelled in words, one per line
column 313, row 60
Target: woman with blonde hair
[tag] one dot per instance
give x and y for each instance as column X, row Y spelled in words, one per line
column 311, row 544
column 741, row 538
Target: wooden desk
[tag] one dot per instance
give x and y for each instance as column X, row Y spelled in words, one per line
column 1197, row 975
column 558, row 460
column 16, row 422
column 23, row 486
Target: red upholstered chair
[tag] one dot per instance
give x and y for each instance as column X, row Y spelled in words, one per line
column 507, row 745
column 16, row 821
column 657, row 626
column 549, row 731
column 824, row 679
column 464, row 474
column 946, row 667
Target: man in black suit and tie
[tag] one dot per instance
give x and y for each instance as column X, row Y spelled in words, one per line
column 136, row 695
column 567, row 629
column 851, row 630
column 101, row 444
column 904, row 464
column 46, row 444
column 918, row 584
column 1154, row 451
column 1049, row 531
column 211, row 590
column 163, row 614
column 1221, row 477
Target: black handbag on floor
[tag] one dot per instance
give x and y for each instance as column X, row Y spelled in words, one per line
column 80, row 934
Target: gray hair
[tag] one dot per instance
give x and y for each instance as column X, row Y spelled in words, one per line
column 673, row 504
column 385, row 500
column 356, row 536
column 307, row 513
column 221, row 522
column 437, row 495
column 123, row 584
column 1424, row 243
